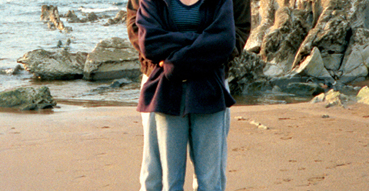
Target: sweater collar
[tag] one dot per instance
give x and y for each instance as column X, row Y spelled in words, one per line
column 167, row 1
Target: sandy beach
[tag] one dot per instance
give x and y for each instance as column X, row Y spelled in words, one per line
column 296, row 147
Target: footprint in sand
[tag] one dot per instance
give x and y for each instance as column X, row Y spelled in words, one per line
column 315, row 180
column 240, row 149
column 338, row 165
column 279, row 181
column 286, row 138
column 241, row 189
column 284, row 118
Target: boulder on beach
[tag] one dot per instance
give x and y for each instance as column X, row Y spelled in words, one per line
column 59, row 65
column 313, row 66
column 331, row 98
column 363, row 95
column 112, row 58
column 337, row 98
column 27, row 98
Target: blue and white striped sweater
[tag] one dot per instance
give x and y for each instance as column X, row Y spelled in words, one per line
column 186, row 17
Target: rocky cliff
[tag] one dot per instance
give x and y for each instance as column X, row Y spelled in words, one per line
column 323, row 40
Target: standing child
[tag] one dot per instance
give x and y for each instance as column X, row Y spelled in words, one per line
column 184, row 45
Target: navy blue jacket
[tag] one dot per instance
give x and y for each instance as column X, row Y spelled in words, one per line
column 194, row 57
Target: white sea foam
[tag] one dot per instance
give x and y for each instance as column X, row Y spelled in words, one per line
column 97, row 10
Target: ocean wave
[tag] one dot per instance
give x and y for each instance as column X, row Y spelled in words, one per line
column 98, row 10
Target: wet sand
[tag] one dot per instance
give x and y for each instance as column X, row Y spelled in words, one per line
column 306, row 147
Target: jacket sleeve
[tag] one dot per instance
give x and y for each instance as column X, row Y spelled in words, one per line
column 155, row 41
column 132, row 29
column 242, row 17
column 211, row 49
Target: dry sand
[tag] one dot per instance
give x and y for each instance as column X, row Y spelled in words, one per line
column 307, row 147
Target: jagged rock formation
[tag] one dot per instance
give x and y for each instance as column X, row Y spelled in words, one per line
column 50, row 14
column 327, row 40
column 119, row 18
column 244, row 71
column 112, row 58
column 73, row 18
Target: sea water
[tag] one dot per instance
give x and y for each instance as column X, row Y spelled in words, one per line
column 21, row 31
